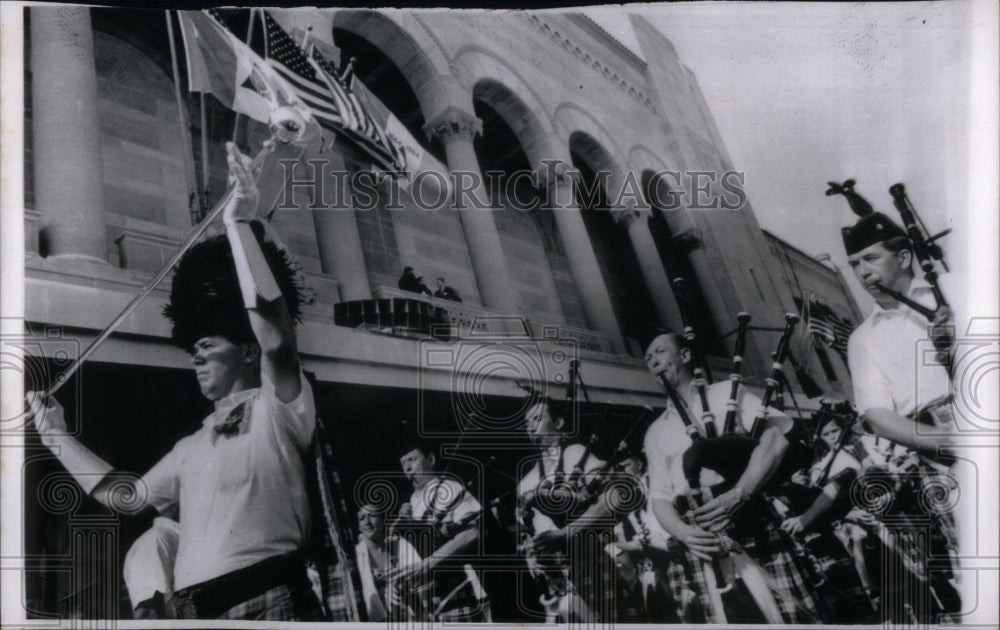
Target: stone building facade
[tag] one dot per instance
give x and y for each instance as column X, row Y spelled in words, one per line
column 107, row 201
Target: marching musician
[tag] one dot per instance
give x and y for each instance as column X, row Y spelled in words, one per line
column 546, row 483
column 896, row 391
column 377, row 554
column 882, row 353
column 640, row 552
column 444, row 504
column 668, row 357
column 240, row 480
column 829, row 525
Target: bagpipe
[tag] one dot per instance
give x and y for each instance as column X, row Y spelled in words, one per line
column 564, row 497
column 925, row 247
column 729, row 454
column 740, row 591
column 551, row 573
column 417, row 596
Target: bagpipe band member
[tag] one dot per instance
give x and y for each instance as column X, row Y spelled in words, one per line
column 556, row 514
column 456, row 518
column 239, row 481
column 665, row 444
column 825, row 522
column 900, row 397
column 889, row 392
column 640, row 553
column 377, row 555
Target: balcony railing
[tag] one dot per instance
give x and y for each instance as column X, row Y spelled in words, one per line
column 461, row 320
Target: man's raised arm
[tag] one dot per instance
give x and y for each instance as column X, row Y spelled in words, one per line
column 270, row 319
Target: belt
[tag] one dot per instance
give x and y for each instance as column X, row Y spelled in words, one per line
column 937, row 413
column 209, row 599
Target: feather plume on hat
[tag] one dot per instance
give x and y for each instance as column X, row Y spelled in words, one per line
column 205, row 297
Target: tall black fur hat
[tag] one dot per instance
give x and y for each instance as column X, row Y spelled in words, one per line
column 205, row 297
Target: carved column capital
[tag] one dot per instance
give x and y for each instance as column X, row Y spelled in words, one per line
column 453, row 124
column 554, row 172
column 626, row 216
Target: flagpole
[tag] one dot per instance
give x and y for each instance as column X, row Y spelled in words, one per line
column 246, row 40
column 189, row 172
column 204, row 145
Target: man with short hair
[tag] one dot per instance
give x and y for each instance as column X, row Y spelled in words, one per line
column 455, row 517
column 445, row 292
column 901, row 393
column 882, row 352
column 240, row 480
column 557, row 511
column 737, row 512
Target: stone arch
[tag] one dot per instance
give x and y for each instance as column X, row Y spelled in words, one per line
column 595, row 154
column 495, row 81
column 641, row 158
column 631, row 299
column 515, row 140
column 410, row 47
column 585, row 135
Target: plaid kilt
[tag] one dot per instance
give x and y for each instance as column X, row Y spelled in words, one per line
column 593, row 572
column 796, row 597
column 764, row 543
column 463, row 605
column 842, row 597
column 280, row 603
column 686, row 579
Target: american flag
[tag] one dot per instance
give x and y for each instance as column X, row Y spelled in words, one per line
column 317, row 83
column 357, row 121
column 824, row 324
column 287, row 59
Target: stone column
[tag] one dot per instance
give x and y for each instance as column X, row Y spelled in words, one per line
column 337, row 237
column 456, row 130
column 67, row 145
column 651, row 265
column 580, row 252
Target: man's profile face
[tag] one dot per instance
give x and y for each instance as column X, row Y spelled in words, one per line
column 664, row 357
column 218, row 363
column 875, row 263
column 417, row 465
column 541, row 427
column 440, row 283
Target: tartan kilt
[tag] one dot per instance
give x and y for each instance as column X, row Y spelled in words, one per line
column 764, row 543
column 842, row 597
column 464, row 605
column 686, row 580
column 795, row 596
column 336, row 596
column 280, row 603
column 593, row 572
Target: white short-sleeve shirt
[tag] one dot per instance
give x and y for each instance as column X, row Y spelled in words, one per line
column 447, row 496
column 892, row 365
column 242, row 497
column 666, row 439
column 568, row 457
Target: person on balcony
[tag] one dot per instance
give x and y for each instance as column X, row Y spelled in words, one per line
column 411, row 282
column 445, row 292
